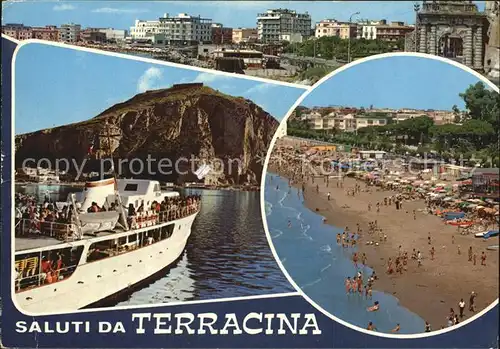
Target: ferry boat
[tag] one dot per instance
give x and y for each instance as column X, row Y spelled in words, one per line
column 117, row 233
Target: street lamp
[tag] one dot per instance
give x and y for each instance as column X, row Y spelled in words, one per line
column 349, row 42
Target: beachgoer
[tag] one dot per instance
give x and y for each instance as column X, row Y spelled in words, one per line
column 470, row 253
column 328, row 196
column 371, row 327
column 483, row 258
column 396, row 329
column 429, row 239
column 461, row 307
column 419, row 258
column 472, row 299
column 374, row 307
column 427, row 327
column 474, row 258
column 459, row 252
column 432, row 253
column 348, row 285
column 453, row 239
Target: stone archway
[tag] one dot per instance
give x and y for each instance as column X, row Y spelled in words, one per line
column 451, row 46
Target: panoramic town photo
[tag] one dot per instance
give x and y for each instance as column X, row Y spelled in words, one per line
column 297, row 42
column 125, row 187
column 382, row 199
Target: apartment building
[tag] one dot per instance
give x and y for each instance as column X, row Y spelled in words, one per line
column 49, row 33
column 17, row 31
column 332, row 27
column 92, row 35
column 272, row 24
column 391, row 32
column 181, row 28
column 115, row 35
column 244, row 35
column 221, row 34
column 70, row 32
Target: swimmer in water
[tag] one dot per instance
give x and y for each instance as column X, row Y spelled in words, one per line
column 396, row 329
column 371, row 327
column 374, row 307
column 289, row 224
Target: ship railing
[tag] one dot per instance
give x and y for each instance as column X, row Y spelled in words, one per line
column 56, row 230
column 150, row 218
column 28, row 278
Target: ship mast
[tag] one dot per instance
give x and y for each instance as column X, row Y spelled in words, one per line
column 117, row 192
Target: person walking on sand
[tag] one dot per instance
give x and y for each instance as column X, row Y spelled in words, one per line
column 472, row 299
column 414, row 215
column 419, row 258
column 369, row 207
column 474, row 258
column 453, row 239
column 470, row 253
column 461, row 307
column 317, row 188
column 429, row 239
column 328, row 195
column 378, row 207
column 459, row 252
column 363, row 259
column 483, row 258
column 432, row 253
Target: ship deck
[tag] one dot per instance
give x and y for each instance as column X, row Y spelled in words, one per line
column 34, row 241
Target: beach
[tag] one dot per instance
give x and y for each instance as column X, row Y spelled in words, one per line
column 429, row 290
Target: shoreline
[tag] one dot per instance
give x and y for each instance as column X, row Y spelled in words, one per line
column 430, row 290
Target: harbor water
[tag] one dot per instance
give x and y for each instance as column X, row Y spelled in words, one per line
column 309, row 252
column 227, row 254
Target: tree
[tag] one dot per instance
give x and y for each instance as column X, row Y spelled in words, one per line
column 482, row 103
column 456, row 114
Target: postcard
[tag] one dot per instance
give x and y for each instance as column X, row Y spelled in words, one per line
column 233, row 174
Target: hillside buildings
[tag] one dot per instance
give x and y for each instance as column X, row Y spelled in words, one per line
column 382, row 30
column 274, row 24
column 182, row 28
column 352, row 119
column 221, row 35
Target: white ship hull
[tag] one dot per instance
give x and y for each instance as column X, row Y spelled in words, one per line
column 95, row 281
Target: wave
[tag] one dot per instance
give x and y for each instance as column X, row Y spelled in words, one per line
column 325, row 268
column 311, row 283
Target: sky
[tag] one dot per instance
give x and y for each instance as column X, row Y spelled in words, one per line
column 122, row 14
column 395, row 82
column 57, row 86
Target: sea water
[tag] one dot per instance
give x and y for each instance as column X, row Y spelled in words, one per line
column 309, row 252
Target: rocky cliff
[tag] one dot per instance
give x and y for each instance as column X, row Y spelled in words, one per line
column 188, row 121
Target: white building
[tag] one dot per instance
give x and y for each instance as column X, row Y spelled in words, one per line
column 272, row 24
column 292, row 37
column 181, row 28
column 70, row 32
column 372, row 154
column 332, row 27
column 114, row 34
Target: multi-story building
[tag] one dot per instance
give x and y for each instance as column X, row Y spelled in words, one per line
column 244, row 35
column 221, row 34
column 368, row 29
column 332, row 27
column 114, row 35
column 393, row 32
column 17, row 31
column 182, row 28
column 92, row 35
column 49, row 32
column 272, row 24
column 381, row 30
column 70, row 32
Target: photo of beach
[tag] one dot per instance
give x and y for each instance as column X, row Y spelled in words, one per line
column 382, row 199
column 137, row 182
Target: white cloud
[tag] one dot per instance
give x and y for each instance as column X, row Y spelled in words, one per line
column 149, row 80
column 119, row 10
column 258, row 89
column 64, row 7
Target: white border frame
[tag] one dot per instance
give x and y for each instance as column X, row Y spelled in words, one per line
column 23, row 43
column 263, row 184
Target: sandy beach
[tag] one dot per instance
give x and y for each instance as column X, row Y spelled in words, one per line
column 429, row 290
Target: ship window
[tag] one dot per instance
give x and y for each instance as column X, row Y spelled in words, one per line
column 131, row 187
column 166, row 231
column 39, row 268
